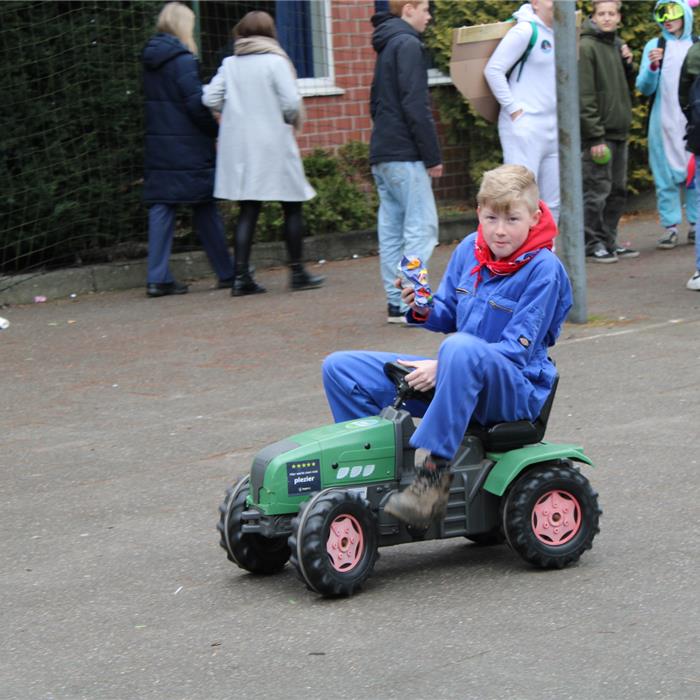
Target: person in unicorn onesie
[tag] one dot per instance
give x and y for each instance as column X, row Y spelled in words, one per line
column 669, row 161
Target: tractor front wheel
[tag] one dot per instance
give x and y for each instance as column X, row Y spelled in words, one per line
column 551, row 516
column 334, row 542
column 250, row 551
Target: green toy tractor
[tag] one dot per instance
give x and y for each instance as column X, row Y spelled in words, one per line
column 317, row 498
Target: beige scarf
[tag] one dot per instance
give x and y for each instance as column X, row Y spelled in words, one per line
column 265, row 44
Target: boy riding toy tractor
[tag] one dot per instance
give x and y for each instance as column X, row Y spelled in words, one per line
column 326, row 499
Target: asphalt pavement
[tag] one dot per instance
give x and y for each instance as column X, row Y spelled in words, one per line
column 124, row 419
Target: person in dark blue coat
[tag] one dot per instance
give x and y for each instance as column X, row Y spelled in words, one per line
column 180, row 151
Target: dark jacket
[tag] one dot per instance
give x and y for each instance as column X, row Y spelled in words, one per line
column 403, row 128
column 606, row 105
column 689, row 71
column 180, row 147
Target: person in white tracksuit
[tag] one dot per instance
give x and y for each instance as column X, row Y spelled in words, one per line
column 526, row 91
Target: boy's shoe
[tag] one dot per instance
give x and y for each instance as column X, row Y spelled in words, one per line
column 426, row 497
column 691, row 236
column 668, row 240
column 694, row 282
column 302, row 279
column 394, row 314
column 601, row 255
column 164, row 289
column 623, row 252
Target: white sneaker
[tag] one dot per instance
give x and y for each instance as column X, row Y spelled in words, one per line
column 694, row 282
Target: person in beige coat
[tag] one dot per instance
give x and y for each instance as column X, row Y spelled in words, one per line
column 258, row 157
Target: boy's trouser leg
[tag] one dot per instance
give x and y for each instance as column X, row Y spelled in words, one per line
column 356, row 386
column 210, row 229
column 691, row 203
column 615, row 203
column 161, row 227
column 666, row 182
column 597, row 184
column 548, row 181
column 473, row 379
column 697, row 237
column 420, row 226
column 407, row 218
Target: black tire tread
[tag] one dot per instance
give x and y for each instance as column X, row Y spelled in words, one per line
column 247, row 551
column 314, row 569
column 518, row 511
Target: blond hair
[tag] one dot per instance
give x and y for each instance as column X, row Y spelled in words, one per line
column 507, row 185
column 177, row 19
column 396, row 6
column 595, row 3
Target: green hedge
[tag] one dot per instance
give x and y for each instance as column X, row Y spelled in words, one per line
column 480, row 136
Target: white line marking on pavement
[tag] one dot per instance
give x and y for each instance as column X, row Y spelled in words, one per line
column 627, row 331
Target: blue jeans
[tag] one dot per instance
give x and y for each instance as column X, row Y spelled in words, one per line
column 210, row 230
column 697, row 238
column 407, row 222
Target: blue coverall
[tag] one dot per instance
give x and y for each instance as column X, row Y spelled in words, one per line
column 495, row 365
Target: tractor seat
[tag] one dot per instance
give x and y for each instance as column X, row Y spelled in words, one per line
column 502, row 437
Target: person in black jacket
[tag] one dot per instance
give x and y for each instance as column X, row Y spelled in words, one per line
column 404, row 149
column 180, row 151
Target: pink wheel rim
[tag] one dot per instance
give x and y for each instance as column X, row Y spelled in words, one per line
column 556, row 518
column 345, row 544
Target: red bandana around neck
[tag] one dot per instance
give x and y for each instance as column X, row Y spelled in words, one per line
column 541, row 235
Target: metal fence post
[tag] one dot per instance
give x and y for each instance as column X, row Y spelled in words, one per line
column 197, row 25
column 571, row 239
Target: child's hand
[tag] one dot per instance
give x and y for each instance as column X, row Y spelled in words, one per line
column 655, row 56
column 408, row 293
column 423, row 376
column 598, row 151
column 627, row 53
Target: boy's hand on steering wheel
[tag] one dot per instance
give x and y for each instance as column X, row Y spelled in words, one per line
column 423, row 376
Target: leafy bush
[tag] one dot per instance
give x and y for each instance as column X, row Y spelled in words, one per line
column 72, row 128
column 481, row 137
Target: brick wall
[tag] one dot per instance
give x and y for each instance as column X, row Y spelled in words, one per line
column 334, row 120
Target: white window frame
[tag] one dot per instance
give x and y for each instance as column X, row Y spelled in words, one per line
column 325, row 85
column 437, row 77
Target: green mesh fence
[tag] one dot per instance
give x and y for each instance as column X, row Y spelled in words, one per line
column 71, row 141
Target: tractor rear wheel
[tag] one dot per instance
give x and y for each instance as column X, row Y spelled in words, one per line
column 250, row 551
column 334, row 542
column 551, row 515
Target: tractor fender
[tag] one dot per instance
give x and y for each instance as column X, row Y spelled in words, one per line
column 508, row 465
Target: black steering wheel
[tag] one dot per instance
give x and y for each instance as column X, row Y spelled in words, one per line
column 397, row 373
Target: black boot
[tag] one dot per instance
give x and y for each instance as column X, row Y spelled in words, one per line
column 244, row 283
column 301, row 279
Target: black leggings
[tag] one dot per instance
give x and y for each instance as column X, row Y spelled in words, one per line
column 245, row 229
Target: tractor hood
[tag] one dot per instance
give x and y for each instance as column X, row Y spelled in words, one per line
column 352, row 453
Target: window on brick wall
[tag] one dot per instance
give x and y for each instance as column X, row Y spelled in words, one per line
column 303, row 30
